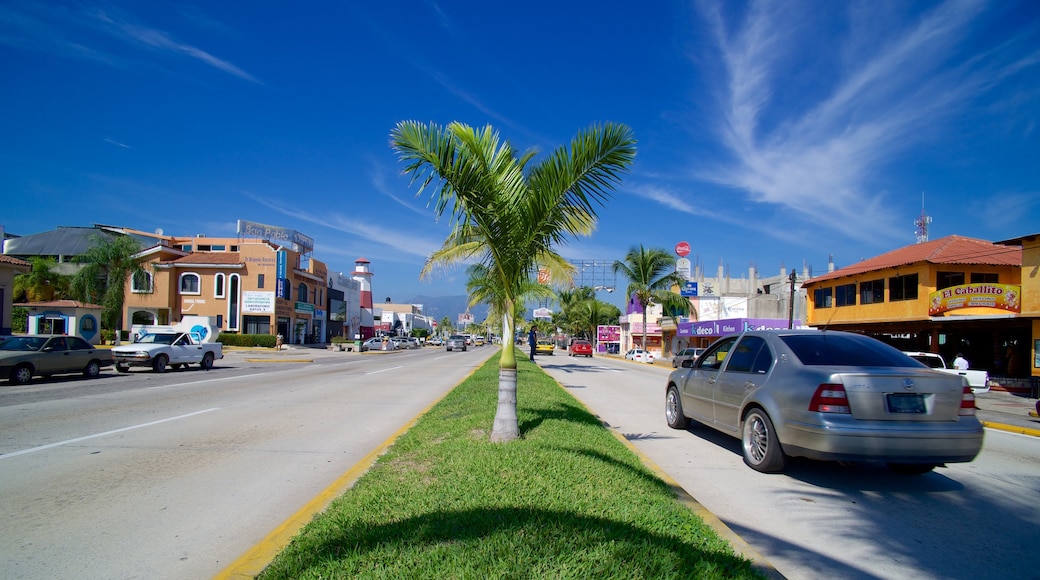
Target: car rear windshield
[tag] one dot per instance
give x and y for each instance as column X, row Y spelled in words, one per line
column 845, row 350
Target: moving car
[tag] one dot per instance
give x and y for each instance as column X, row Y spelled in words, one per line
column 825, row 395
column 580, row 348
column 686, row 353
column 161, row 349
column 640, row 355
column 455, row 342
column 23, row 357
column 406, row 342
column 544, row 346
column 478, row 340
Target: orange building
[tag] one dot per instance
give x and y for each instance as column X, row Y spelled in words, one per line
column 951, row 295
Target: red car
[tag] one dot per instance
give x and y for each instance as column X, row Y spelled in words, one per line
column 580, row 348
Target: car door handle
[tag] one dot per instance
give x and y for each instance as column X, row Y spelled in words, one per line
column 749, row 385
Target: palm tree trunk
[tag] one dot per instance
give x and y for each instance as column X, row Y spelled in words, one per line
column 644, row 331
column 506, row 427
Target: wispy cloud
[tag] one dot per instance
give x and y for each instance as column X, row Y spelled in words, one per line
column 814, row 156
column 117, row 143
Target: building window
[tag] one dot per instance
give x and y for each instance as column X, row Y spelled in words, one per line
column 190, row 283
column 257, row 324
column 822, row 298
column 233, row 302
column 902, row 288
column 947, row 279
column 205, row 248
column 141, row 283
column 845, row 295
column 219, row 248
column 301, row 293
column 234, row 248
column 218, row 285
column 872, row 292
column 984, row 278
column 259, row 280
column 186, row 248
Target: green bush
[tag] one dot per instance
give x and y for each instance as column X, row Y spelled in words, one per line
column 339, row 339
column 262, row 340
column 19, row 320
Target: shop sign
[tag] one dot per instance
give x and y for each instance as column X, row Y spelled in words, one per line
column 606, row 333
column 1000, row 296
column 257, row 302
column 304, row 307
column 730, row 326
column 651, row 328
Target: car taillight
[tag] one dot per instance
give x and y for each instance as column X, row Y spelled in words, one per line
column 967, row 402
column 829, row 398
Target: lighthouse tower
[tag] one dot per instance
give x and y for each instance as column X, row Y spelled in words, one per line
column 364, row 279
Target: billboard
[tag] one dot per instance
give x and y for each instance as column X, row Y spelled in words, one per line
column 1000, row 296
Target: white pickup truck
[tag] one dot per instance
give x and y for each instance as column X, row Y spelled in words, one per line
column 161, row 350
column 978, row 380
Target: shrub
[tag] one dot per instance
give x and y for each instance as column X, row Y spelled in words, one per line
column 339, row 339
column 262, row 340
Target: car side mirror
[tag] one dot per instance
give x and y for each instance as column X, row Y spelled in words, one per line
column 688, row 363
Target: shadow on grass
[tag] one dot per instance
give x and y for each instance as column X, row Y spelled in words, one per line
column 506, row 542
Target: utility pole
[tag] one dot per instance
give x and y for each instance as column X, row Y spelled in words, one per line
column 790, row 305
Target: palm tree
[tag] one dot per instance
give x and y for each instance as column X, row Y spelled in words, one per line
column 41, row 283
column 509, row 214
column 651, row 275
column 109, row 264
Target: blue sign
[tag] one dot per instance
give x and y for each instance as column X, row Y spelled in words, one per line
column 690, row 289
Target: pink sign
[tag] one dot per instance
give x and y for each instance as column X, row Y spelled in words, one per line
column 682, row 249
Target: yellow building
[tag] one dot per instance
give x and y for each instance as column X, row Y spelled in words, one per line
column 1030, row 247
column 249, row 285
column 951, row 295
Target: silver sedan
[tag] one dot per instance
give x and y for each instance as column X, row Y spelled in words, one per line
column 825, row 395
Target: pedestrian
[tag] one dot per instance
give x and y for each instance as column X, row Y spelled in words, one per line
column 960, row 363
column 278, row 341
column 532, row 339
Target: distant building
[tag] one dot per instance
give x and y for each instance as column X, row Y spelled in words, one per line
column 9, row 268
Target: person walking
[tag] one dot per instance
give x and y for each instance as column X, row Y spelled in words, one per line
column 532, row 339
column 960, row 363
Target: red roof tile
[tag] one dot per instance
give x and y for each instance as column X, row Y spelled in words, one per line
column 209, row 258
column 948, row 250
column 59, row 304
column 4, row 259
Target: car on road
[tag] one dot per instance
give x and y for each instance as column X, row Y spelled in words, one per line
column 479, row 340
column 544, row 346
column 377, row 343
column 685, row 353
column 455, row 342
column 640, row 355
column 23, row 357
column 435, row 341
column 580, row 347
column 162, row 350
column 825, row 395
column 406, row 342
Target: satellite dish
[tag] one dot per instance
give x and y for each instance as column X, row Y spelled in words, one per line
column 158, row 231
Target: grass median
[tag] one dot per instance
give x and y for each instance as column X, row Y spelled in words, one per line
column 568, row 500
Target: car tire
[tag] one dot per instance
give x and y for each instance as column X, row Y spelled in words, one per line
column 92, row 370
column 207, row 361
column 159, row 364
column 673, row 413
column 759, row 444
column 21, row 375
column 911, row 468
column 122, row 368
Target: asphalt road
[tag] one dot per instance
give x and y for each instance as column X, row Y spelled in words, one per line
column 826, row 520
column 176, row 475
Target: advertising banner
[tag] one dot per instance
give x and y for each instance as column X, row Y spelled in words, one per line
column 257, row 302
column 999, row 296
column 732, row 325
column 605, row 333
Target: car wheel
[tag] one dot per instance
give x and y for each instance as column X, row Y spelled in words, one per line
column 761, row 448
column 93, row 369
column 122, row 368
column 673, row 412
column 21, row 375
column 207, row 361
column 159, row 364
column 911, row 468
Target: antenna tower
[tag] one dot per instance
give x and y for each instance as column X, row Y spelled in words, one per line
column 922, row 224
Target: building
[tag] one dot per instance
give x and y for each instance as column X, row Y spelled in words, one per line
column 1030, row 298
column 64, row 317
column 9, row 268
column 947, row 296
column 402, row 319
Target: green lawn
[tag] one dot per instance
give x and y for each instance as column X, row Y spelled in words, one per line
column 568, row 500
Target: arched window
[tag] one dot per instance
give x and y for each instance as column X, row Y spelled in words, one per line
column 218, row 285
column 190, row 283
column 301, row 293
column 141, row 283
column 234, row 307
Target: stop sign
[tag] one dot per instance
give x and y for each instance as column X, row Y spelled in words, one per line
column 682, row 249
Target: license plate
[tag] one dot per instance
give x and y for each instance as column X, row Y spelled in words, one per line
column 905, row 403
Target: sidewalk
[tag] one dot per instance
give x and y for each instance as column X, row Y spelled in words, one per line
column 1008, row 412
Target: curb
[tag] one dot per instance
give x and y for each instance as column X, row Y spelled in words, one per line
column 1012, row 428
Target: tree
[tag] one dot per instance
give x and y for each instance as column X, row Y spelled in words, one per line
column 109, row 263
column 41, row 283
column 446, row 326
column 509, row 214
column 651, row 274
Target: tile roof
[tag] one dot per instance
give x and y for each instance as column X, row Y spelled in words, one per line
column 216, row 258
column 59, row 304
column 14, row 261
column 949, row 250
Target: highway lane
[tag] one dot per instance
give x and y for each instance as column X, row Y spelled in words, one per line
column 176, row 475
column 826, row 520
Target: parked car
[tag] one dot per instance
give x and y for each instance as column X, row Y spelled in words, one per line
column 406, row 342
column 686, row 353
column 544, row 346
column 640, row 355
column 160, row 350
column 455, row 342
column 580, row 348
column 435, row 341
column 826, row 395
column 376, row 343
column 23, row 357
column 978, row 379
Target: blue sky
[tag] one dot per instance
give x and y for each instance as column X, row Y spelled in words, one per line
column 770, row 133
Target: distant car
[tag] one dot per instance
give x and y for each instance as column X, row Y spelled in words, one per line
column 435, row 341
column 478, row 340
column 825, row 395
column 640, row 355
column 406, row 341
column 544, row 346
column 376, row 343
column 455, row 342
column 23, row 357
column 686, row 353
column 580, row 348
